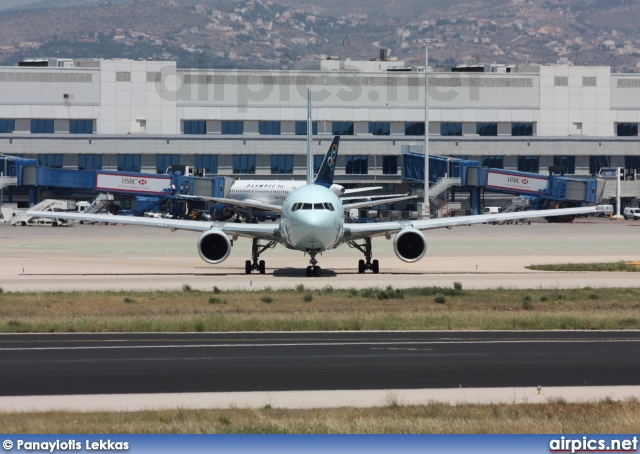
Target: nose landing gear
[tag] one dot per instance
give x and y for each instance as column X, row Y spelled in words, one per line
column 313, row 269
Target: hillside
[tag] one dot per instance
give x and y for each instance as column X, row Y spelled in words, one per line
column 267, row 34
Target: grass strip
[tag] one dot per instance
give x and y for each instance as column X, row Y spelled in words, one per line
column 328, row 309
column 610, row 266
column 605, row 417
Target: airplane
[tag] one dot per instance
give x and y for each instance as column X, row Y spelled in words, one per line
column 312, row 222
column 260, row 194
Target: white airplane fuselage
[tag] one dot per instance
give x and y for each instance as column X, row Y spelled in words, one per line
column 272, row 192
column 312, row 219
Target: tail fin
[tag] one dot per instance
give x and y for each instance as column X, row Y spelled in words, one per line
column 325, row 174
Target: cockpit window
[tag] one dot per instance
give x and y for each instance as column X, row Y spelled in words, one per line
column 318, row 206
column 296, row 206
column 328, row 206
column 307, row 206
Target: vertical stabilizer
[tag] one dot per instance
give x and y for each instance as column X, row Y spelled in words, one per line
column 325, row 173
column 309, row 139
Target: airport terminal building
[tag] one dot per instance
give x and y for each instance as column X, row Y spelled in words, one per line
column 143, row 116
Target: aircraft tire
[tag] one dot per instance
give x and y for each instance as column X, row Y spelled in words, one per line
column 247, row 267
column 261, row 266
column 361, row 266
column 375, row 267
column 309, row 271
column 317, row 271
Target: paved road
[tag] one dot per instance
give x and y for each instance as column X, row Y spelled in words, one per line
column 482, row 256
column 168, row 363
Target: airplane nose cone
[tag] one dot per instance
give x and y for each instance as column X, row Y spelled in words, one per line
column 316, row 231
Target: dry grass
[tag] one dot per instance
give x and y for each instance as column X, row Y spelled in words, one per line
column 557, row 417
column 328, row 309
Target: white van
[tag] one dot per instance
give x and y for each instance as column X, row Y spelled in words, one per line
column 490, row 210
column 631, row 213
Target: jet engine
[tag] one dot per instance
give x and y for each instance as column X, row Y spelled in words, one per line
column 410, row 245
column 214, row 246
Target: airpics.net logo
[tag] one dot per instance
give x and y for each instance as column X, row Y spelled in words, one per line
column 587, row 444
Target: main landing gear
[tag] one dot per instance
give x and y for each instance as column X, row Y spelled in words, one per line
column 313, row 269
column 256, row 249
column 369, row 264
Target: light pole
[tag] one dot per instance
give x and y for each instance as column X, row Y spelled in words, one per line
column 426, row 42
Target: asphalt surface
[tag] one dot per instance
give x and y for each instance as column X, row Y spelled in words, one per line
column 63, row 364
column 101, row 257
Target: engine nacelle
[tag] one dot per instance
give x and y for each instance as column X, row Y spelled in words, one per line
column 214, row 246
column 337, row 189
column 410, row 245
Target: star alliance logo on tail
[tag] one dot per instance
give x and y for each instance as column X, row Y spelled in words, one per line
column 331, row 159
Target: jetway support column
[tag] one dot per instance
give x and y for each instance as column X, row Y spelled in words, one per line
column 475, row 200
column 32, row 196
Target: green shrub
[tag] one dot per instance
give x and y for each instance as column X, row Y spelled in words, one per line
column 544, row 298
column 214, row 300
column 594, row 296
column 186, row 288
column 526, row 303
column 129, row 300
column 216, row 290
column 300, row 288
column 440, row 298
column 457, row 286
column 224, row 420
column 307, row 298
column 266, row 299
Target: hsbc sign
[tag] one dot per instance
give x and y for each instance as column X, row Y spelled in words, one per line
column 518, row 183
column 132, row 183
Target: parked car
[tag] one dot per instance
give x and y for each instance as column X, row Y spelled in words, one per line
column 631, row 213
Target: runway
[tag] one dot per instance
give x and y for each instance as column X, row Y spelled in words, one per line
column 63, row 364
column 116, row 257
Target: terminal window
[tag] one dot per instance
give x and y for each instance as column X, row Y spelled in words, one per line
column 521, row 129
column 50, row 160
column 41, row 126
column 632, row 162
column 357, row 165
column 282, row 164
column 207, row 162
column 380, row 128
column 390, row 165
column 598, row 162
column 244, row 164
column 195, row 127
column 529, row 164
column 486, row 129
column 495, row 162
column 232, row 127
column 301, row 128
column 450, row 129
column 627, row 129
column 81, row 126
column 414, row 128
column 269, row 128
column 164, row 161
column 342, row 128
column 129, row 163
column 568, row 162
column 7, row 126
column 89, row 162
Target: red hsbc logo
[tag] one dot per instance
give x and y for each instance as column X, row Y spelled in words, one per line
column 525, row 181
column 142, row 182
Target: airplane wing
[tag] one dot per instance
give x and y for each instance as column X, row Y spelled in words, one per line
column 237, row 203
column 368, row 203
column 371, row 197
column 355, row 190
column 261, row 231
column 358, row 231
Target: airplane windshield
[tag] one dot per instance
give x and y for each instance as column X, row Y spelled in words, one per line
column 318, row 206
column 307, row 206
column 312, row 206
